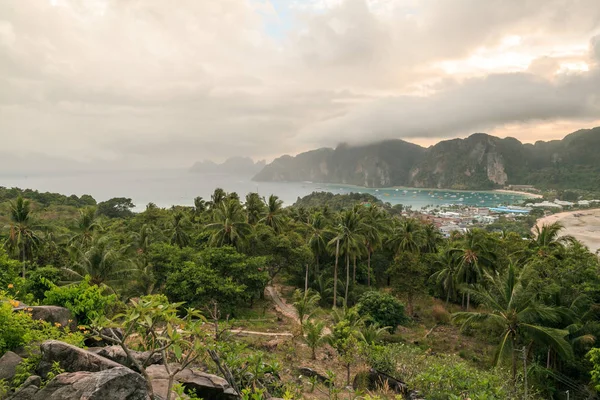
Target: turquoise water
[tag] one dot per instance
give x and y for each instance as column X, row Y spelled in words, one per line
column 169, row 187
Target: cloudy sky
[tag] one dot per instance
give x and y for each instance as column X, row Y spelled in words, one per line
column 154, row 83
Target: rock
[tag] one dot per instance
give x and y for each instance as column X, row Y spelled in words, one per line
column 375, row 380
column 52, row 314
column 273, row 344
column 312, row 373
column 28, row 389
column 71, row 358
column 8, row 365
column 26, row 393
column 117, row 354
column 207, row 386
column 118, row 383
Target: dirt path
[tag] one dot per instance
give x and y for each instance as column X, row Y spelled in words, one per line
column 271, row 334
column 280, row 304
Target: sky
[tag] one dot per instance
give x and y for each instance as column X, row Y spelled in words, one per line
column 157, row 84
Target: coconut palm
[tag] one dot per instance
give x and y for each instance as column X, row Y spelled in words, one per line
column 229, row 226
column 432, row 238
column 85, row 227
column 178, row 230
column 475, row 257
column 349, row 240
column 513, row 307
column 305, row 304
column 217, row 198
column 372, row 334
column 315, row 336
column 274, row 216
column 546, row 240
column 447, row 265
column 376, row 225
column 407, row 236
column 23, row 236
column 255, row 208
column 318, row 236
column 105, row 262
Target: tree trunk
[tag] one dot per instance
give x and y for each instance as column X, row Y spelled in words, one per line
column 369, row 268
column 317, row 269
column 347, row 278
column 306, row 281
column 23, row 261
column 462, row 305
column 354, row 271
column 447, row 298
column 314, row 353
column 468, row 301
column 514, row 360
column 335, row 272
column 348, row 374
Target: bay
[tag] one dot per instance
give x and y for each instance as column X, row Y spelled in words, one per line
column 179, row 187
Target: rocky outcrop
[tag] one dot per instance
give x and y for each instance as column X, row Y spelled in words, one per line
column 117, row 354
column 118, row 383
column 8, row 365
column 71, row 358
column 55, row 315
column 28, row 389
column 205, row 385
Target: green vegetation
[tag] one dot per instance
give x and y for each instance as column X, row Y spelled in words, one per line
column 366, row 287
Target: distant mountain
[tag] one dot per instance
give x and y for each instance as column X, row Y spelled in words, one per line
column 480, row 161
column 234, row 166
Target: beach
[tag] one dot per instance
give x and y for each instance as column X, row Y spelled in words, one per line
column 532, row 195
column 583, row 225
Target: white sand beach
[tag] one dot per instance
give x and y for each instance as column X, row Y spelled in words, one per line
column 584, row 225
column 532, row 195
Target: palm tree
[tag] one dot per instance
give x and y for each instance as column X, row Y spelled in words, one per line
column 274, row 214
column 22, row 237
column 475, row 257
column 546, row 240
column 315, row 336
column 432, row 238
column 376, row 225
column 513, row 307
column 85, row 227
column 349, row 239
column 104, row 262
column 255, row 208
column 229, row 226
column 306, row 304
column 371, row 334
column 407, row 236
column 318, row 237
column 445, row 277
column 217, row 198
column 178, row 230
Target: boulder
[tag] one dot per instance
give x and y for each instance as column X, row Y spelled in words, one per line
column 71, row 358
column 118, row 383
column 375, row 380
column 207, row 386
column 8, row 365
column 52, row 314
column 312, row 373
column 28, row 389
column 117, row 354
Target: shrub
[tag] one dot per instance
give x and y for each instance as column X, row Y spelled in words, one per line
column 41, row 280
column 85, row 301
column 440, row 314
column 382, row 308
column 9, row 270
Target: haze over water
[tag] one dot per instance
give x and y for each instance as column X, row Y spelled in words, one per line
column 179, row 187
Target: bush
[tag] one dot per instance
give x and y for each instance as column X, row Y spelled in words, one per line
column 41, row 280
column 440, row 314
column 9, row 270
column 19, row 329
column 85, row 301
column 382, row 308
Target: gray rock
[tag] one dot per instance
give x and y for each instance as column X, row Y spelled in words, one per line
column 207, row 386
column 28, row 389
column 26, row 393
column 8, row 365
column 312, row 373
column 117, row 354
column 118, row 383
column 71, row 358
column 51, row 314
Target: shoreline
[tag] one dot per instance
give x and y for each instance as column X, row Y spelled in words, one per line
column 583, row 225
column 527, row 194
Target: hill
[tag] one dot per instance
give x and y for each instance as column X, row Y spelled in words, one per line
column 479, row 161
column 233, row 165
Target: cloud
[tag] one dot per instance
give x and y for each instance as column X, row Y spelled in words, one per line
column 149, row 83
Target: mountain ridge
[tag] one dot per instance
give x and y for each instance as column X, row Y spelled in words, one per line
column 479, row 161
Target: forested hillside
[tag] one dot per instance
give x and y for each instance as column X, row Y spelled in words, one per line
column 371, row 303
column 478, row 162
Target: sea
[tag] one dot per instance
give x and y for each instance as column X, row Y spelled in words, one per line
column 179, row 187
